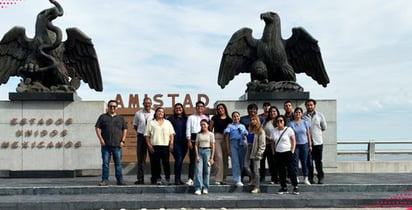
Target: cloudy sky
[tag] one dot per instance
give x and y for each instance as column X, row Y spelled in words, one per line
column 168, row 46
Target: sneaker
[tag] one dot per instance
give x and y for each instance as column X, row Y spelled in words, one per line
column 218, row 183
column 296, row 190
column 103, row 183
column 283, row 191
column 307, row 181
column 271, row 182
column 297, row 179
column 205, row 192
column 255, row 191
column 239, row 184
column 197, row 192
column 159, row 182
column 189, row 182
column 121, row 183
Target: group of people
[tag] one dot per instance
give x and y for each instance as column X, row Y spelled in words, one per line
column 251, row 141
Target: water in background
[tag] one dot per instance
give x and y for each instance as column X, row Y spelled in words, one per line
column 378, row 147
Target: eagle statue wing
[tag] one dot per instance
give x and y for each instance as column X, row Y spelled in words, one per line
column 13, row 52
column 80, row 59
column 304, row 55
column 238, row 55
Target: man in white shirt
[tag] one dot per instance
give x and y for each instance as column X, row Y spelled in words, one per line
column 317, row 123
column 141, row 119
column 192, row 128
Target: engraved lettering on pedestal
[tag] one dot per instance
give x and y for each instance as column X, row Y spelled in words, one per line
column 32, row 121
column 50, row 145
column 5, row 145
column 59, row 145
column 13, row 121
column 78, row 144
column 69, row 121
column 25, row 145
column 15, row 145
column 68, row 144
column 28, row 133
column 49, row 121
column 19, row 133
column 64, row 133
column 43, row 133
column 41, row 122
column 36, row 133
column 33, row 145
column 53, row 133
column 41, row 145
column 59, row 121
column 23, row 121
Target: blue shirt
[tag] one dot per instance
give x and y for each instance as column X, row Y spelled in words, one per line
column 301, row 131
column 250, row 138
column 236, row 132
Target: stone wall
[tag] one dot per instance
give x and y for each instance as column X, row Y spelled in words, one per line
column 49, row 136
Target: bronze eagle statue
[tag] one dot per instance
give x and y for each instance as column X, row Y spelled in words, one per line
column 272, row 59
column 45, row 63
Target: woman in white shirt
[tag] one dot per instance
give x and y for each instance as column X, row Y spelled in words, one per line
column 284, row 144
column 159, row 133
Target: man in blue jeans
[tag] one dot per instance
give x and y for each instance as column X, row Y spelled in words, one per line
column 111, row 130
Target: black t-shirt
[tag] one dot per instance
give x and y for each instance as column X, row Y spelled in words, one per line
column 112, row 128
column 220, row 124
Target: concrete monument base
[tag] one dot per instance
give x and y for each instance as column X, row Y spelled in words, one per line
column 327, row 107
column 39, row 137
column 44, row 97
column 253, row 95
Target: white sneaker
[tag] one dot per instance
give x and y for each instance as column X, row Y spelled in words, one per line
column 307, row 181
column 239, row 184
column 297, row 179
column 189, row 182
column 205, row 192
column 197, row 192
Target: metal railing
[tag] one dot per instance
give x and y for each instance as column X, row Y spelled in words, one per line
column 371, row 151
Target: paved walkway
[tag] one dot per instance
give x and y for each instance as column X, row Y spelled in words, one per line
column 350, row 191
column 338, row 178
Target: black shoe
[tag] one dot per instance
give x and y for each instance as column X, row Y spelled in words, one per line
column 140, row 181
column 283, row 190
column 103, row 183
column 296, row 190
column 121, row 183
column 311, row 181
column 320, row 181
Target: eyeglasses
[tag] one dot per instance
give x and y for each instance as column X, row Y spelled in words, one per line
column 112, row 106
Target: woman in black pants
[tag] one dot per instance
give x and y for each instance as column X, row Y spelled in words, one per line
column 284, row 144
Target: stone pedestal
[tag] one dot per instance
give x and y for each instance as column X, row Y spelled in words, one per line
column 46, row 136
column 327, row 107
column 252, row 95
column 44, row 97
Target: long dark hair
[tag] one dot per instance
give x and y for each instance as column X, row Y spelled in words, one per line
column 183, row 113
column 224, row 107
column 269, row 118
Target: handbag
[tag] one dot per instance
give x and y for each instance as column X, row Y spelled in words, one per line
column 276, row 146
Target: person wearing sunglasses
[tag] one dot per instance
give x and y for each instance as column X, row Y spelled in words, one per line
column 111, row 129
column 284, row 145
